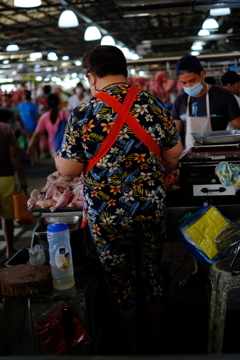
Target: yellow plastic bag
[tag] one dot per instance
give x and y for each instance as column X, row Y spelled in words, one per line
column 204, row 231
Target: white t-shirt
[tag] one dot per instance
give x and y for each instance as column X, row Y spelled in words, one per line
column 74, row 101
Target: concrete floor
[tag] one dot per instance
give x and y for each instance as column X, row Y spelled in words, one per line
column 186, row 310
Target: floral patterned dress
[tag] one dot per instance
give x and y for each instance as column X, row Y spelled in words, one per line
column 124, row 193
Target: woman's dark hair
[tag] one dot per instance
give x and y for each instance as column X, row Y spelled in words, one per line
column 53, row 105
column 105, row 60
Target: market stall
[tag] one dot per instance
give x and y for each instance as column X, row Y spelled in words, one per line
column 27, row 291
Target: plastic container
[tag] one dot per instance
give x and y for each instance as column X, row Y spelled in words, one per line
column 60, row 254
column 77, row 236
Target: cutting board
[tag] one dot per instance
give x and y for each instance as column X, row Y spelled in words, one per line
column 21, row 280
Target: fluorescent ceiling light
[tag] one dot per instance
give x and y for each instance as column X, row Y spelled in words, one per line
column 195, row 53
column 65, row 57
column 108, row 40
column 92, row 33
column 27, row 3
column 203, row 32
column 210, row 24
column 220, row 11
column 78, row 63
column 5, row 62
column 52, row 56
column 12, row 47
column 68, row 19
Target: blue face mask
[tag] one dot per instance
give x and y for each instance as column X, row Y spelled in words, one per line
column 193, row 90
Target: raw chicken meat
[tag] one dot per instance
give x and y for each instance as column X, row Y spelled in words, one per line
column 63, row 200
column 59, row 191
column 45, row 203
column 31, row 203
column 35, row 193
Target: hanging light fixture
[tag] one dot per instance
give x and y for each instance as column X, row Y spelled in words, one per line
column 68, row 19
column 195, row 53
column 35, row 55
column 108, row 40
column 203, row 32
column 196, row 46
column 210, row 24
column 27, row 3
column 220, row 12
column 92, row 33
column 12, row 47
column 52, row 56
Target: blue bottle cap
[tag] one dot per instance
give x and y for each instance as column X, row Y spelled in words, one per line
column 56, row 227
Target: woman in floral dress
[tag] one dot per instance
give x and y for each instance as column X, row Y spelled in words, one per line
column 125, row 141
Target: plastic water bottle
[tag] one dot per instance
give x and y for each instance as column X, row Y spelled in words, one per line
column 60, row 254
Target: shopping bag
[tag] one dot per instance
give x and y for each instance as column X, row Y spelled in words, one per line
column 62, row 330
column 21, row 213
column 59, row 135
column 199, row 230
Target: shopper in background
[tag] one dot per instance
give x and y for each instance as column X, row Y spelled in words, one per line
column 201, row 107
column 28, row 111
column 48, row 122
column 9, row 158
column 231, row 81
column 124, row 183
column 16, row 122
column 78, row 98
column 29, row 115
column 41, row 100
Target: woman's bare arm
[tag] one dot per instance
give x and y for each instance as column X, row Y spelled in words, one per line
column 170, row 157
column 68, row 167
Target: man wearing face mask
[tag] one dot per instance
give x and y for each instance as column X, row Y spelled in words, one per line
column 201, row 107
column 78, row 98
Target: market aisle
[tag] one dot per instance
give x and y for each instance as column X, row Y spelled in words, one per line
column 36, row 176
